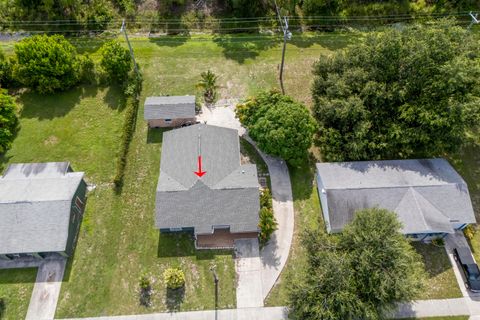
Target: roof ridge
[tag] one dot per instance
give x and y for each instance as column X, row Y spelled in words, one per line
column 399, row 186
column 418, row 206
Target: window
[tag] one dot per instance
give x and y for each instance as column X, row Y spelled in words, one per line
column 168, row 120
column 78, row 205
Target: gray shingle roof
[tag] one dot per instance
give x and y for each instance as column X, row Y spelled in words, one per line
column 228, row 194
column 35, row 200
column 171, row 107
column 428, row 195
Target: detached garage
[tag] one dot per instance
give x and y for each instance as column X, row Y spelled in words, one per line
column 171, row 111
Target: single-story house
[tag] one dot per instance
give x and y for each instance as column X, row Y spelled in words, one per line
column 217, row 207
column 430, row 198
column 41, row 206
column 169, row 111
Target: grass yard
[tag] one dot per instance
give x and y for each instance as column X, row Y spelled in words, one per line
column 15, row 288
column 441, row 281
column 307, row 216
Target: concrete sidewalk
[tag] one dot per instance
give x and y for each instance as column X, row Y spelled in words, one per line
column 274, row 313
column 46, row 290
column 432, row 308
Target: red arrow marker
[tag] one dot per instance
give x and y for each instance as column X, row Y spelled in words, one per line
column 200, row 173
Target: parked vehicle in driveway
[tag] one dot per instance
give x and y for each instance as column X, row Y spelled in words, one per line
column 470, row 269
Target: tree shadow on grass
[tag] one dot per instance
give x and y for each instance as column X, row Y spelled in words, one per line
column 115, row 98
column 21, row 275
column 169, row 41
column 331, row 41
column 179, row 244
column 303, row 179
column 182, row 244
column 434, row 258
column 241, row 48
column 55, row 105
column 155, row 135
column 174, row 298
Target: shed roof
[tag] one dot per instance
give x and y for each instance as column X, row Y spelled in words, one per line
column 169, row 107
column 35, row 204
column 428, row 195
column 228, row 194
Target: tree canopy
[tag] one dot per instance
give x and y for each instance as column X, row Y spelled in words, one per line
column 46, row 63
column 358, row 274
column 280, row 126
column 8, row 120
column 400, row 93
column 116, row 61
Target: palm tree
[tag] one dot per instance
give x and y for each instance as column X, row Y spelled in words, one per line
column 208, row 84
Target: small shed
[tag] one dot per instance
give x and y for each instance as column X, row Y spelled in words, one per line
column 169, row 111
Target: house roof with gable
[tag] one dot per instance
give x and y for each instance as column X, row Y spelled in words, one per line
column 35, row 204
column 228, row 194
column 428, row 195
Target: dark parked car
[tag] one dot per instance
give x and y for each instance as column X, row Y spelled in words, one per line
column 470, row 269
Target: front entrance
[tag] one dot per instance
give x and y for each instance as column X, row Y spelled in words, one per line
column 221, row 239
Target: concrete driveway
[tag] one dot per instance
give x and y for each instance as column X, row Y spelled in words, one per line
column 46, row 290
column 249, row 273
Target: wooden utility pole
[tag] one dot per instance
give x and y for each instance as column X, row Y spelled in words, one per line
column 124, row 30
column 287, row 35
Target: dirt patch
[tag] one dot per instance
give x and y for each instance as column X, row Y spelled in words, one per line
column 51, row 141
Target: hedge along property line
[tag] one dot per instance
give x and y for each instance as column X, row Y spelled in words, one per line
column 133, row 90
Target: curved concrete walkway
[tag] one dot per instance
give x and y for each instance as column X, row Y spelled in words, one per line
column 273, row 256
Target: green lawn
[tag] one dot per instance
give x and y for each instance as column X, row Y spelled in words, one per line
column 15, row 288
column 307, row 215
column 441, row 281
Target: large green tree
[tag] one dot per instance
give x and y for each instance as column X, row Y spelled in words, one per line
column 8, row 120
column 403, row 93
column 358, row 274
column 280, row 126
column 46, row 63
column 5, row 71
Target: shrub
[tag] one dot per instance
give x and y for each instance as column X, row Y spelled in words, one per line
column 144, row 282
column 116, row 61
column 268, row 224
column 174, row 278
column 5, row 71
column 132, row 91
column 439, row 242
column 87, row 69
column 280, row 126
column 208, row 83
column 8, row 120
column 46, row 63
column 266, row 199
column 469, row 231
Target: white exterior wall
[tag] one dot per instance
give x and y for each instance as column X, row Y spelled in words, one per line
column 323, row 203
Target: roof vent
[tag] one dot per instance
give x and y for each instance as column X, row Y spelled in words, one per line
column 324, row 191
column 243, row 171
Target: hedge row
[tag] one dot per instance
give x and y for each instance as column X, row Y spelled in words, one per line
column 133, row 90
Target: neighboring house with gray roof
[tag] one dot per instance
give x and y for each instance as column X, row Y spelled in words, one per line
column 218, row 207
column 169, row 111
column 430, row 198
column 41, row 205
